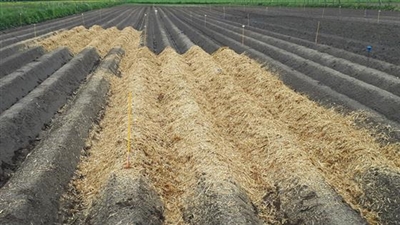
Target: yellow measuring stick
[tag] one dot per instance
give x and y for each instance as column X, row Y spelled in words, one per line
column 128, row 165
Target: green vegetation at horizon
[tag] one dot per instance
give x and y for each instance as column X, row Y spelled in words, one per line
column 14, row 14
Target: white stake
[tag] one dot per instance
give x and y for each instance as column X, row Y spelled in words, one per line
column 316, row 35
column 379, row 15
column 248, row 19
column 144, row 36
column 205, row 20
column 83, row 20
column 243, row 34
column 34, row 29
column 224, row 12
column 323, row 12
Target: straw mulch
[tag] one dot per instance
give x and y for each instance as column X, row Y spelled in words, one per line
column 270, row 152
column 217, row 119
column 105, row 39
column 105, row 149
column 335, row 146
column 204, row 153
column 79, row 37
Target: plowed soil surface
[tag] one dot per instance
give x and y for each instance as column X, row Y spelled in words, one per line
column 191, row 132
column 217, row 118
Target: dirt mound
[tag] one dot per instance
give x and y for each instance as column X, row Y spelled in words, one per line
column 204, row 122
column 334, row 144
column 217, row 139
column 219, row 134
column 104, row 39
column 61, row 38
column 79, row 37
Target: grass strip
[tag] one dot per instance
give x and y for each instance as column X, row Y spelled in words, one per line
column 15, row 14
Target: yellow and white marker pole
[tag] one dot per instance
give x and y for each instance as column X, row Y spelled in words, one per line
column 128, row 153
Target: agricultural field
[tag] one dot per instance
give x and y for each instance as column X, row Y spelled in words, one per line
column 202, row 115
column 387, row 4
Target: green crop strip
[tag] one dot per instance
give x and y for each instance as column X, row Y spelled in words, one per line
column 14, row 14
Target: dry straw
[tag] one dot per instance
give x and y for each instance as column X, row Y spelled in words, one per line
column 202, row 149
column 75, row 39
column 215, row 118
column 268, row 150
column 105, row 40
column 335, row 146
column 107, row 138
